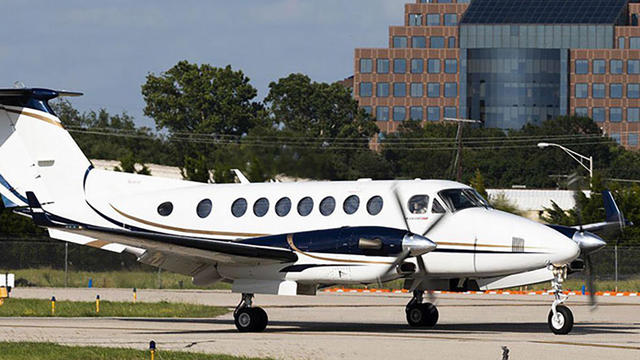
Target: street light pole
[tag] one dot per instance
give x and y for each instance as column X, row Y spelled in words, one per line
column 581, row 159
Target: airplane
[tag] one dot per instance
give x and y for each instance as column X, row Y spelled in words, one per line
column 283, row 238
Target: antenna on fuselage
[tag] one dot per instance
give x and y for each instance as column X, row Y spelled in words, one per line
column 243, row 179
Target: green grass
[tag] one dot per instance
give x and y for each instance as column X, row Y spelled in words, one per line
column 632, row 285
column 45, row 277
column 42, row 308
column 49, row 351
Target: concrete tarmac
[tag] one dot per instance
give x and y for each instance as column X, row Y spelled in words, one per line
column 350, row 326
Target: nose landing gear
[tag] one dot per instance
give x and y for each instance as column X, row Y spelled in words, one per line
column 248, row 318
column 560, row 318
column 421, row 314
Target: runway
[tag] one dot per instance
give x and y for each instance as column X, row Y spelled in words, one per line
column 350, row 326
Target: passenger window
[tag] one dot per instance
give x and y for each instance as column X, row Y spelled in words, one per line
column 239, row 207
column 204, row 208
column 351, row 204
column 165, row 209
column 419, row 204
column 374, row 205
column 283, row 206
column 260, row 207
column 327, row 206
column 305, row 206
column 437, row 208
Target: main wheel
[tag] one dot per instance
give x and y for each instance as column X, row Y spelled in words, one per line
column 422, row 315
column 432, row 315
column 251, row 320
column 563, row 322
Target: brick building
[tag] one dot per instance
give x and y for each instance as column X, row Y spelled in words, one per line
column 508, row 63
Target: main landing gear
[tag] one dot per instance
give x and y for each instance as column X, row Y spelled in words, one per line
column 248, row 318
column 560, row 317
column 421, row 314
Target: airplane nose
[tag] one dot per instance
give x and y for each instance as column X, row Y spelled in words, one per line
column 588, row 242
column 417, row 245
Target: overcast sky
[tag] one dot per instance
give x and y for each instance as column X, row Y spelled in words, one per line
column 106, row 48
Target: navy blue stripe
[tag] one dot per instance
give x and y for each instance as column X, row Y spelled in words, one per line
column 4, row 183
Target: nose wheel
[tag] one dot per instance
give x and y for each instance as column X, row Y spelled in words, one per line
column 248, row 318
column 560, row 317
column 421, row 314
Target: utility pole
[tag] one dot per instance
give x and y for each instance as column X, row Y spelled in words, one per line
column 456, row 166
column 66, row 264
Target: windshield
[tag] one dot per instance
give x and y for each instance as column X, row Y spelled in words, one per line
column 458, row 199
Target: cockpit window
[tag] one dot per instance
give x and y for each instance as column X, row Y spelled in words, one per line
column 419, row 204
column 458, row 199
column 437, row 208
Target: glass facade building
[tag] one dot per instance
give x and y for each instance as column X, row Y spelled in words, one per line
column 508, row 63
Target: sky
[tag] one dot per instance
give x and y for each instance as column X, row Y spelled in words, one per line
column 106, row 48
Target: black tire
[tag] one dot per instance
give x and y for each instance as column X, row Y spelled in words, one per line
column 245, row 320
column 432, row 315
column 262, row 321
column 415, row 315
column 564, row 324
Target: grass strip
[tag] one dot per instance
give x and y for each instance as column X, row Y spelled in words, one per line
column 42, row 308
column 50, row 351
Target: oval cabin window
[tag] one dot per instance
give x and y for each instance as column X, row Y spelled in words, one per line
column 374, row 205
column 165, row 209
column 327, row 206
column 239, row 207
column 204, row 208
column 419, row 204
column 283, row 206
column 351, row 204
column 305, row 206
column 261, row 207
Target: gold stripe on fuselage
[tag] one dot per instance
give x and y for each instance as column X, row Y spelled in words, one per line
column 35, row 116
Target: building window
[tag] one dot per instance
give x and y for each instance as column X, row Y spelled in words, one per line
column 417, row 66
column 416, row 90
column 415, row 19
column 433, row 90
column 621, row 43
column 399, row 66
column 366, row 66
column 450, row 112
column 450, row 90
column 382, row 66
column 374, row 205
column 450, row 19
column 305, row 206
column 433, row 66
column 451, row 66
column 382, row 113
column 399, row 90
column 633, row 67
column 399, row 113
column 433, row 113
column 366, row 89
column 400, row 42
column 582, row 66
column 433, row 19
column 419, row 42
column 615, row 137
column 633, row 91
column 634, row 43
column 633, row 140
column 634, row 19
column 415, row 113
column 351, row 204
column 239, row 207
column 165, row 209
column 582, row 112
column 437, row 42
column 633, row 114
column 451, row 42
column 599, row 114
column 368, row 110
column 204, row 208
column 599, row 66
column 327, row 206
column 598, row 91
column 382, row 89
column 582, row 91
column 615, row 114
column 261, row 207
column 615, row 91
column 615, row 66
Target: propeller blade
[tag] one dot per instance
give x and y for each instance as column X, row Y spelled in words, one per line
column 396, row 196
column 591, row 286
column 574, row 183
column 399, row 260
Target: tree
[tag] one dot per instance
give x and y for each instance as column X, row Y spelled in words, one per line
column 128, row 165
column 196, row 169
column 478, row 183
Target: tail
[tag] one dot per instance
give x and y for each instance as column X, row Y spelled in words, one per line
column 36, row 153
